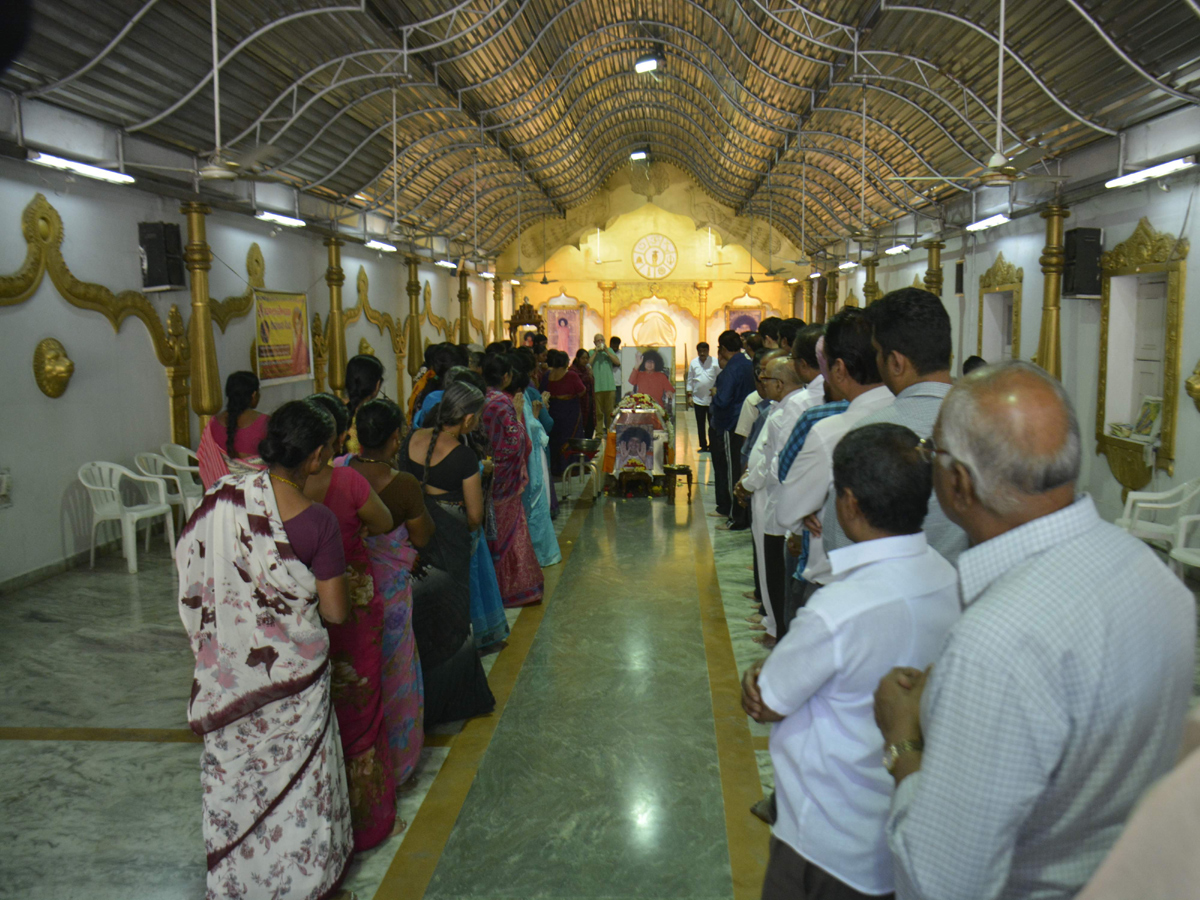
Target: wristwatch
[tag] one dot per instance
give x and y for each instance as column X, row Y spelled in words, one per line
column 892, row 754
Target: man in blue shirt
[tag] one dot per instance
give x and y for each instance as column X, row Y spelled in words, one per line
column 734, row 384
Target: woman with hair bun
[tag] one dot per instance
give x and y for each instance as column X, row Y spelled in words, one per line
column 455, row 684
column 230, row 441
column 276, row 808
column 356, row 645
column 364, row 381
column 379, row 423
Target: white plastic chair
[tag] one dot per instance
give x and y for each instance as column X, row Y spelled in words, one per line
column 181, row 460
column 103, row 482
column 1181, row 554
column 157, row 466
column 1172, row 505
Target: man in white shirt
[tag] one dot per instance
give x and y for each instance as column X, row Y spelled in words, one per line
column 1060, row 694
column 890, row 597
column 852, row 375
column 911, row 334
column 701, row 374
column 761, row 482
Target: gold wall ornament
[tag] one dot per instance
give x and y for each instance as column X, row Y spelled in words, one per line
column 206, row 382
column 396, row 333
column 523, row 315
column 807, row 286
column 1000, row 277
column 52, row 368
column 42, row 229
column 851, row 300
column 335, row 326
column 871, row 291
column 1192, row 385
column 412, row 325
column 1145, row 252
column 365, row 348
column 933, row 271
column 498, row 303
column 225, row 311
column 918, row 283
column 318, row 352
column 702, row 289
column 428, row 316
column 1052, row 260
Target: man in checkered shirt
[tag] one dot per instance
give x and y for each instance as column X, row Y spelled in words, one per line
column 1060, row 694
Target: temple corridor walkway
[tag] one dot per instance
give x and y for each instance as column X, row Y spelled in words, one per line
column 618, row 763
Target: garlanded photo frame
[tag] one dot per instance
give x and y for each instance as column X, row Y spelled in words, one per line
column 743, row 318
column 282, row 350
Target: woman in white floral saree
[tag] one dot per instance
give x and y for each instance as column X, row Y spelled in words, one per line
column 259, row 567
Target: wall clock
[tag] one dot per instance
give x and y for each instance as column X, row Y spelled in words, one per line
column 654, row 256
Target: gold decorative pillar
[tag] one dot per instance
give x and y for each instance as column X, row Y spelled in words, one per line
column 831, row 294
column 416, row 353
column 871, row 291
column 206, row 381
column 933, row 270
column 498, row 302
column 335, row 329
column 464, row 308
column 702, row 288
column 178, row 375
column 807, row 286
column 1049, row 352
column 606, row 289
column 318, row 349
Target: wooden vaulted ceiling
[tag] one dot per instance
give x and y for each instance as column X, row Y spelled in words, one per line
column 536, row 101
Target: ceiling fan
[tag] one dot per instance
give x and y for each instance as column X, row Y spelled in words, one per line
column 709, row 264
column 518, row 272
column 598, row 261
column 1001, row 171
column 769, row 271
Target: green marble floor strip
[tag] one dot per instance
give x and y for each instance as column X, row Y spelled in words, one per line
column 136, row 735
column 417, row 858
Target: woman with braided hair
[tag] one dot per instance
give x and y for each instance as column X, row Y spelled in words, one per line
column 230, row 442
column 364, row 381
column 438, row 456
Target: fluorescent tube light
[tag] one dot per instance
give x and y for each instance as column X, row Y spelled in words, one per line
column 899, row 248
column 487, row 275
column 380, row 245
column 446, row 263
column 815, row 275
column 638, row 155
column 69, row 165
column 646, row 64
column 848, row 265
column 989, row 222
column 793, row 281
column 514, row 282
column 277, row 219
column 1175, row 165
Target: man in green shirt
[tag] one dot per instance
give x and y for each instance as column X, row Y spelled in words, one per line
column 602, row 360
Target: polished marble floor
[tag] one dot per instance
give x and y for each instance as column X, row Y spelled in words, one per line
column 606, row 772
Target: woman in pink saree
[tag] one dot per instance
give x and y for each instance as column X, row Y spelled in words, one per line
column 259, row 567
column 517, row 567
column 392, row 557
column 356, row 646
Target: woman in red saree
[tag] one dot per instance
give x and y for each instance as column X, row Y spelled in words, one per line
column 356, row 646
column 587, row 404
column 566, row 406
column 392, row 558
column 517, row 568
column 276, row 811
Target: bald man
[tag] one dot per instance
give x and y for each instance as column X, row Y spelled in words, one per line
column 1061, row 692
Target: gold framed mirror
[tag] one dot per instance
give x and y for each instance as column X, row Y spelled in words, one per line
column 999, row 326
column 1141, row 337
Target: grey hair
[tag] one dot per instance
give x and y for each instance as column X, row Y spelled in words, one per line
column 1003, row 473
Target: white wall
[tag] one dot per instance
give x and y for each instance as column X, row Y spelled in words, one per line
column 116, row 404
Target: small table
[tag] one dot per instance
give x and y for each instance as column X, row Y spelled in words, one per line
column 674, row 472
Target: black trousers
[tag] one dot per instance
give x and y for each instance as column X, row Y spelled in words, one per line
column 740, row 515
column 758, row 589
column 702, row 424
column 720, row 465
column 774, row 547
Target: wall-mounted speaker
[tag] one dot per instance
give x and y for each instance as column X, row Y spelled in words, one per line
column 161, row 251
column 1081, row 271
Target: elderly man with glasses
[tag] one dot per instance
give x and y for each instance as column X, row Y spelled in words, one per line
column 1060, row 694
